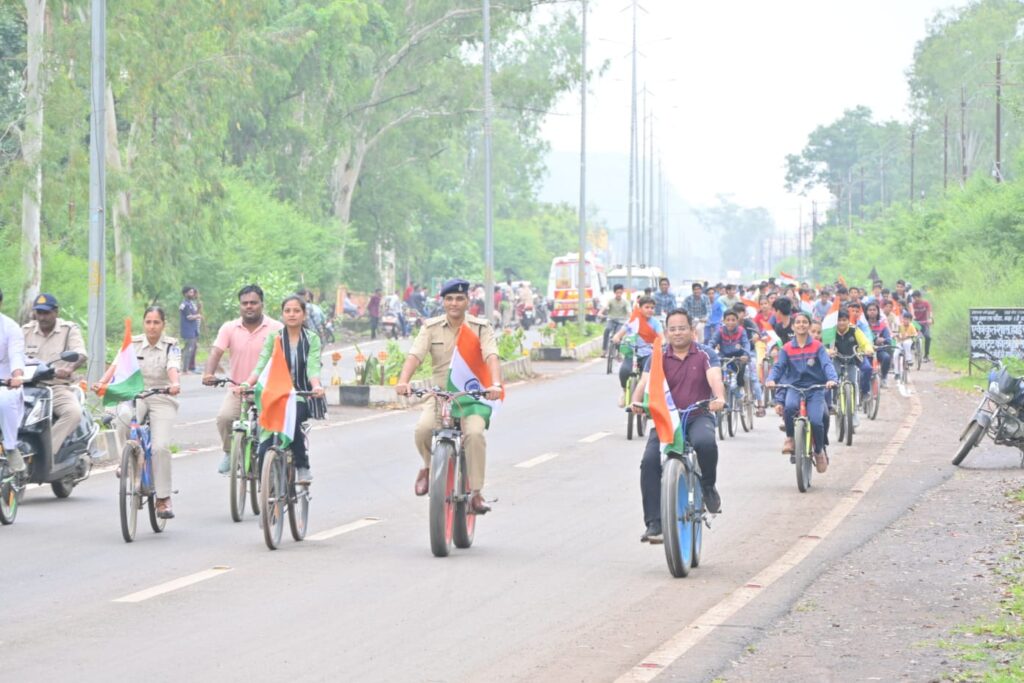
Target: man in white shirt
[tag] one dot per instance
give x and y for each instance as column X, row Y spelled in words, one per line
column 12, row 405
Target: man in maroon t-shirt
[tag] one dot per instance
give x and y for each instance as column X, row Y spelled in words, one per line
column 923, row 317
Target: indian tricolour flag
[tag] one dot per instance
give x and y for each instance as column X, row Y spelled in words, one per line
column 127, row 379
column 658, row 402
column 828, row 325
column 469, row 372
column 751, row 306
column 275, row 395
column 639, row 325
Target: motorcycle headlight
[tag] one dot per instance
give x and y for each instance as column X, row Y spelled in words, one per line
column 37, row 414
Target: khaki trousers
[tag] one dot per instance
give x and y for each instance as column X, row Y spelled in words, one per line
column 230, row 409
column 162, row 411
column 473, row 427
column 67, row 413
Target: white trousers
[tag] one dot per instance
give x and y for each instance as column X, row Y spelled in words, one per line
column 12, row 409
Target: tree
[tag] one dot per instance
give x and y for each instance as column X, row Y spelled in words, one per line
column 31, row 154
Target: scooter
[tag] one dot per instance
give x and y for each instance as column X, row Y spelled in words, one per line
column 72, row 463
column 413, row 319
column 389, row 326
column 525, row 313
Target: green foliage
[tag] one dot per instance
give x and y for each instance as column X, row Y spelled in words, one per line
column 570, row 334
column 510, row 344
column 275, row 285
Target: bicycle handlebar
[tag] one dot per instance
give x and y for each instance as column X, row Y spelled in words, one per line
column 803, row 390
column 151, row 392
column 447, row 395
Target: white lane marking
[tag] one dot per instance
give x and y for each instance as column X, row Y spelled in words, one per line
column 595, row 437
column 675, row 647
column 193, row 424
column 533, row 462
column 345, row 528
column 174, row 585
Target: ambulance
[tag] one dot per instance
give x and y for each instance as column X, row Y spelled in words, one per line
column 563, row 286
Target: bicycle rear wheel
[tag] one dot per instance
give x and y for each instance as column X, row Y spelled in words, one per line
column 876, row 397
column 747, row 404
column 8, row 496
column 298, row 507
column 130, row 500
column 611, row 359
column 641, row 424
column 676, row 524
column 804, row 465
column 733, row 412
column 849, row 407
column 698, row 518
column 273, row 497
column 238, row 481
column 442, row 505
column 464, row 525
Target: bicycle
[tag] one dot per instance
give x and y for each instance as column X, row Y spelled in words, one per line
column 874, row 397
column 451, row 519
column 682, row 504
column 767, row 393
column 900, row 366
column 846, row 399
column 244, row 468
column 279, row 490
column 613, row 352
column 726, row 422
column 633, row 421
column 137, row 487
column 12, row 484
column 802, row 456
column 917, row 346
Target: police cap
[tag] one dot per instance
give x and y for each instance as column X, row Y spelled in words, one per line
column 45, row 302
column 455, row 286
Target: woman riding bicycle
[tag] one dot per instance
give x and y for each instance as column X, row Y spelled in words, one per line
column 803, row 362
column 883, row 338
column 302, row 353
column 160, row 362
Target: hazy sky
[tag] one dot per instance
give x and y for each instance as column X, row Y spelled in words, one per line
column 735, row 86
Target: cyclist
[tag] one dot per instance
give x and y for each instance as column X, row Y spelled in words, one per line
column 698, row 305
column 731, row 341
column 437, row 338
column 730, row 299
column 803, row 362
column 782, row 321
column 757, row 341
column 822, row 305
column 923, row 317
column 617, row 312
column 244, row 339
column 718, row 308
column 905, row 334
column 693, row 373
column 160, row 362
column 856, row 311
column 891, row 316
column 640, row 338
column 664, row 300
column 315, row 317
column 12, row 404
column 882, row 339
column 302, row 355
column 850, row 340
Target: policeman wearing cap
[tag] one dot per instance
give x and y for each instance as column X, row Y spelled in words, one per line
column 437, row 338
column 46, row 338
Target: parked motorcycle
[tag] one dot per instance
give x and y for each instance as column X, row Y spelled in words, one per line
column 1000, row 413
column 71, row 464
column 326, row 332
column 413, row 319
column 389, row 326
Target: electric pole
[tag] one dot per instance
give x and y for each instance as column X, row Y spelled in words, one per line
column 632, row 167
column 999, row 118
column 650, row 202
column 913, row 136
column 945, row 150
column 488, row 224
column 97, row 196
column 582, row 270
column 963, row 136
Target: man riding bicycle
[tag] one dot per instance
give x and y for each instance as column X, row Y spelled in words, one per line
column 437, row 338
column 642, row 340
column 664, row 300
column 617, row 313
column 732, row 341
column 851, row 340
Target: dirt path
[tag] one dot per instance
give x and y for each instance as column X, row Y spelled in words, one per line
column 888, row 610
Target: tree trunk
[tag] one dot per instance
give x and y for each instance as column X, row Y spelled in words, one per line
column 347, row 167
column 31, row 153
column 122, row 242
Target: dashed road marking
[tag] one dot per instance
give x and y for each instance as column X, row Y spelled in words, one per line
column 533, row 462
column 345, row 528
column 174, row 585
column 678, row 645
column 595, row 437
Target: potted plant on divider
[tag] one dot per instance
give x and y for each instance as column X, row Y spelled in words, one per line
column 554, row 340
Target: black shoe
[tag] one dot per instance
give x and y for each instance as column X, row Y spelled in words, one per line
column 653, row 533
column 712, row 501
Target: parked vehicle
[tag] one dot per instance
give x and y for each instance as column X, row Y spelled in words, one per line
column 1000, row 413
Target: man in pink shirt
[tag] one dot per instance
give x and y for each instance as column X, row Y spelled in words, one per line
column 244, row 338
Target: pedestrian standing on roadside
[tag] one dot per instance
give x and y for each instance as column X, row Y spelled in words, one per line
column 188, row 327
column 373, row 311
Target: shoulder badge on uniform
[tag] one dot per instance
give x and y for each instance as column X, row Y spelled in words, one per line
column 437, row 320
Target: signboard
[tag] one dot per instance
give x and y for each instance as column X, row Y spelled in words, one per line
column 999, row 331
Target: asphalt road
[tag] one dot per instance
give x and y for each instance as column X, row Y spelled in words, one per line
column 556, row 587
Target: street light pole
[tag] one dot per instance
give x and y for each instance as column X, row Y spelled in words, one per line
column 632, row 169
column 488, row 225
column 581, row 269
column 97, row 196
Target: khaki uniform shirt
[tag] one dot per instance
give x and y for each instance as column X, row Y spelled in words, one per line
column 156, row 360
column 65, row 336
column 437, row 338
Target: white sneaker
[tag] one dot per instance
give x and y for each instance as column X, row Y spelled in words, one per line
column 225, row 464
column 15, row 461
column 302, row 475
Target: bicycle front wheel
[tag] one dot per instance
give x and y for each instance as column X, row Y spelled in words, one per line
column 298, row 508
column 802, row 439
column 156, row 522
column 849, row 407
column 442, row 505
column 464, row 525
column 273, row 497
column 130, row 499
column 611, row 360
column 732, row 412
column 239, row 483
column 641, row 424
column 8, row 496
column 677, row 526
column 876, row 397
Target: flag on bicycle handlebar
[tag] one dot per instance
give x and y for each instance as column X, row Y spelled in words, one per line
column 828, row 324
column 275, row 396
column 127, row 379
column 661, row 407
column 638, row 325
column 469, row 372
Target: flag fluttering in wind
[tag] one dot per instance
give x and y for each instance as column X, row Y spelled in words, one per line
column 127, row 379
column 469, row 372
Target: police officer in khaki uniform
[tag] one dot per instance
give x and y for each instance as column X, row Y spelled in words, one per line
column 160, row 362
column 46, row 338
column 437, row 338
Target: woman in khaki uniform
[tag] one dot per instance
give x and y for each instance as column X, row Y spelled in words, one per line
column 160, row 362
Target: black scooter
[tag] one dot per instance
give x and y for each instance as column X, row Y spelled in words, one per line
column 72, row 463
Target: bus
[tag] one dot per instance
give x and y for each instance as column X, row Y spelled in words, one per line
column 641, row 278
column 563, row 286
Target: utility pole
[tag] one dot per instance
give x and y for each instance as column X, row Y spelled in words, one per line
column 945, row 150
column 814, row 220
column 860, row 206
column 661, row 215
column 849, row 199
column 97, row 344
column 650, row 202
column 999, row 118
column 963, row 136
column 913, row 139
column 488, row 218
column 632, row 167
column 581, row 270
column 881, row 178
column 642, row 237
column 800, row 242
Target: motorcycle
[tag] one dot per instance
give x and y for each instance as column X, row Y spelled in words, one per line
column 525, row 315
column 1000, row 413
column 413, row 319
column 389, row 326
column 326, row 332
column 72, row 462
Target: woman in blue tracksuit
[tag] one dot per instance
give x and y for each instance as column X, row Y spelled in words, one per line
column 803, row 362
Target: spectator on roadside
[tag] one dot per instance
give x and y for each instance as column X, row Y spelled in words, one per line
column 373, row 311
column 188, row 327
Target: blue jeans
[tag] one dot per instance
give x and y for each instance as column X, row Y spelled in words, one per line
column 700, row 432
column 815, row 413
